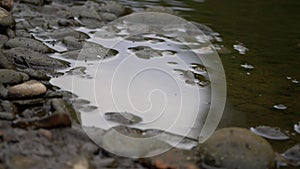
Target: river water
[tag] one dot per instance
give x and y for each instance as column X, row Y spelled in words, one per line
column 260, row 52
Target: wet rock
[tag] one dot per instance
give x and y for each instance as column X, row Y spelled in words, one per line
column 3, row 39
column 161, row 9
column 113, row 7
column 6, row 19
column 60, row 105
column 175, row 159
column 122, row 117
column 29, row 102
column 237, row 148
column 72, row 43
column 108, row 16
column 20, row 162
column 46, row 133
column 5, row 63
column 3, row 91
column 27, row 58
column 27, row 89
column 128, row 145
column 80, row 163
column 33, row 2
column 6, row 116
column 36, row 74
column 91, row 23
column 9, row 107
column 12, row 77
column 272, row 133
column 27, row 43
column 7, row 4
column 92, row 51
column 57, row 119
column 297, row 127
column 292, row 155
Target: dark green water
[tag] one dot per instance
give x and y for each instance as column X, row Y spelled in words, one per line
column 270, row 29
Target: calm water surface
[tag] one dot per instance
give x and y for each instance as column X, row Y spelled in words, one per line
column 270, row 30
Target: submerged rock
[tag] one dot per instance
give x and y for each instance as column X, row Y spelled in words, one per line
column 237, row 148
column 292, row 155
column 272, row 133
column 27, row 89
column 122, row 117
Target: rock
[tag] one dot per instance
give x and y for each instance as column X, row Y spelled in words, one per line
column 20, row 162
column 27, row 43
column 12, row 77
column 29, row 102
column 237, row 148
column 3, row 91
column 72, row 43
column 57, row 119
column 3, row 39
column 36, row 74
column 173, row 159
column 5, row 63
column 27, row 89
column 61, row 105
column 46, row 133
column 292, row 155
column 33, row 2
column 81, row 163
column 8, row 107
column 6, row 116
column 273, row 133
column 25, row 58
column 6, row 19
column 113, row 7
column 7, row 4
column 122, row 117
column 161, row 9
column 108, row 16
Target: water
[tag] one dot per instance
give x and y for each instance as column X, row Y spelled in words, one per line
column 264, row 34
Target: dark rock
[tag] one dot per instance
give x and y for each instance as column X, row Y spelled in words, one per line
column 3, row 91
column 7, row 4
column 10, row 33
column 36, row 74
column 33, row 2
column 108, row 16
column 5, row 62
column 27, row 89
column 237, row 148
column 72, row 43
column 6, row 116
column 6, row 19
column 113, row 7
column 61, row 105
column 57, row 119
column 29, row 102
column 27, row 43
column 27, row 58
column 12, row 77
column 3, row 39
column 9, row 107
column 122, row 117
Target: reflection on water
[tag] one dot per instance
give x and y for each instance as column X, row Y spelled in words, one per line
column 143, row 73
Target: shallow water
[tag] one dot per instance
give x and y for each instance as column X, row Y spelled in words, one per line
column 264, row 35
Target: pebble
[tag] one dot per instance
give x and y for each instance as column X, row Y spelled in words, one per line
column 27, row 43
column 113, row 7
column 237, row 148
column 27, row 89
column 12, row 77
column 122, row 117
column 108, row 16
column 6, row 19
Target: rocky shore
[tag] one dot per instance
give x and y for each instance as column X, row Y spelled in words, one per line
column 38, row 125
